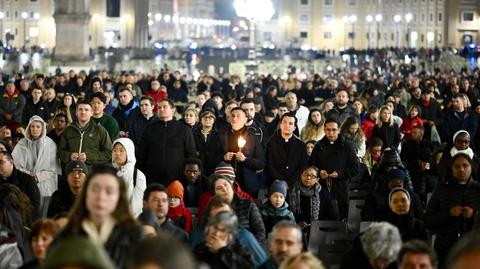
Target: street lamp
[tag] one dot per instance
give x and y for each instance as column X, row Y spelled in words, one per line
column 345, row 21
column 397, row 18
column 2, row 16
column 24, row 17
column 254, row 11
column 369, row 19
column 378, row 19
column 352, row 20
column 286, row 23
column 408, row 19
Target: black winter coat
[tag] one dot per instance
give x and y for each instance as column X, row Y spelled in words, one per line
column 136, row 125
column 26, row 184
column 409, row 226
column 60, row 202
column 163, row 148
column 376, row 206
column 119, row 244
column 342, row 158
column 246, row 172
column 32, row 109
column 285, row 161
column 249, row 217
column 438, row 220
column 209, row 150
column 233, row 256
column 390, row 135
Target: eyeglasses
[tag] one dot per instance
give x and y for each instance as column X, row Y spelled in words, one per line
column 312, row 176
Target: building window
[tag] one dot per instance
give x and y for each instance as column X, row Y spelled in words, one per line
column 328, row 2
column 431, row 17
column 327, row 35
column 328, row 18
column 440, row 17
column 8, row 14
column 303, row 34
column 351, row 2
column 16, row 14
column 304, row 18
column 304, row 2
column 267, row 36
column 468, row 16
column 113, row 8
column 423, row 17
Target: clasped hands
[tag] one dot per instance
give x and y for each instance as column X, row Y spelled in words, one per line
column 239, row 156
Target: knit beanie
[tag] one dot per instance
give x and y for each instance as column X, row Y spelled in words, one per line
column 278, row 186
column 225, row 169
column 175, row 189
column 77, row 251
column 396, row 174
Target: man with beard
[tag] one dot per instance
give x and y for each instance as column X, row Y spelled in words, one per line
column 342, row 110
column 284, row 241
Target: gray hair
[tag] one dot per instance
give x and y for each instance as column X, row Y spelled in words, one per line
column 381, row 240
column 287, row 224
column 227, row 218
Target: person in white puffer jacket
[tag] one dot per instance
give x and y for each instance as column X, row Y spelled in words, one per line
column 123, row 158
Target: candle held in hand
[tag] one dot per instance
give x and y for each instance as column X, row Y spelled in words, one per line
column 241, row 142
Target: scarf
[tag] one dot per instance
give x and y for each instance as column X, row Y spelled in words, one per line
column 269, row 210
column 314, row 194
column 99, row 237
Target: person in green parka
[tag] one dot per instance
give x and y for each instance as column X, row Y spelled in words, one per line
column 84, row 140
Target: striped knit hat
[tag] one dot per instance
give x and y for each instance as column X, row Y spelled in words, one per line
column 225, row 169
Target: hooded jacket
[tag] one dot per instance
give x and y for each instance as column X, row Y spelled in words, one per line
column 12, row 104
column 38, row 157
column 272, row 215
column 93, row 139
column 134, row 191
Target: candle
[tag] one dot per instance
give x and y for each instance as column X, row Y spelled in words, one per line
column 241, row 142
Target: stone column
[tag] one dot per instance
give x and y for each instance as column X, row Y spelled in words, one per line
column 140, row 34
column 71, row 21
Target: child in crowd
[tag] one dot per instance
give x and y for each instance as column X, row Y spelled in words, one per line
column 413, row 119
column 180, row 215
column 310, row 145
column 275, row 208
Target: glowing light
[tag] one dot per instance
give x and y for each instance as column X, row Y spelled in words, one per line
column 254, row 10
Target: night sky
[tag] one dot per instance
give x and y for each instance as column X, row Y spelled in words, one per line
column 224, row 9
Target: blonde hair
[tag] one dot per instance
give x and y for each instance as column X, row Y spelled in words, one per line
column 306, row 258
column 379, row 118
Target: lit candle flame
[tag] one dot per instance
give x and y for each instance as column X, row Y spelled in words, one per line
column 241, row 142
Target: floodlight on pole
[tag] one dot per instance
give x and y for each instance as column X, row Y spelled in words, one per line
column 397, row 18
column 408, row 17
column 254, row 11
column 369, row 19
column 378, row 19
column 352, row 19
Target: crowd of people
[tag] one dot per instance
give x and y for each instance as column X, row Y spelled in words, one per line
column 105, row 170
